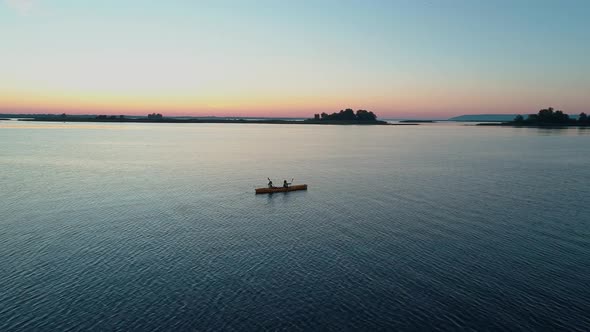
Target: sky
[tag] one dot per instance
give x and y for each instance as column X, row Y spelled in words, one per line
column 399, row 59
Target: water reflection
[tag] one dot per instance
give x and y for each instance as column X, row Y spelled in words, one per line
column 283, row 197
column 561, row 131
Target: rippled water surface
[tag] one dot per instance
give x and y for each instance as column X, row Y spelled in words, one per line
column 156, row 227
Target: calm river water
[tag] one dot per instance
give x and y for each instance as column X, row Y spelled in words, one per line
column 156, row 227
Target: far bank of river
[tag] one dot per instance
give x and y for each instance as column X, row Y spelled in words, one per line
column 235, row 121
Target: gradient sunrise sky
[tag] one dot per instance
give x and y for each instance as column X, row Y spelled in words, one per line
column 294, row 58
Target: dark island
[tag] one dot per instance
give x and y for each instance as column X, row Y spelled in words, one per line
column 547, row 117
column 344, row 117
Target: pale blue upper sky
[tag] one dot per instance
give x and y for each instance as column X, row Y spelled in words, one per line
column 295, row 57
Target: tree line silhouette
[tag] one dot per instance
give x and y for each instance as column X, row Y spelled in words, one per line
column 347, row 115
column 550, row 116
column 155, row 116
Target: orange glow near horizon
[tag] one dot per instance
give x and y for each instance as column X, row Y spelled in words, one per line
column 414, row 102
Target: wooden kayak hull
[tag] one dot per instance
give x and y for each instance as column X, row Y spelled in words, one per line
column 280, row 189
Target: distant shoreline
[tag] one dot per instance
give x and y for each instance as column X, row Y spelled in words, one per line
column 546, row 118
column 344, row 117
column 231, row 121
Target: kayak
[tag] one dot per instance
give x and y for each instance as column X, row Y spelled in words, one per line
column 280, row 189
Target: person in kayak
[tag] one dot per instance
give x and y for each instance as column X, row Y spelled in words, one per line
column 270, row 183
column 285, row 184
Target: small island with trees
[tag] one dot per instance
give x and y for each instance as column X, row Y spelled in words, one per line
column 547, row 117
column 347, row 116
